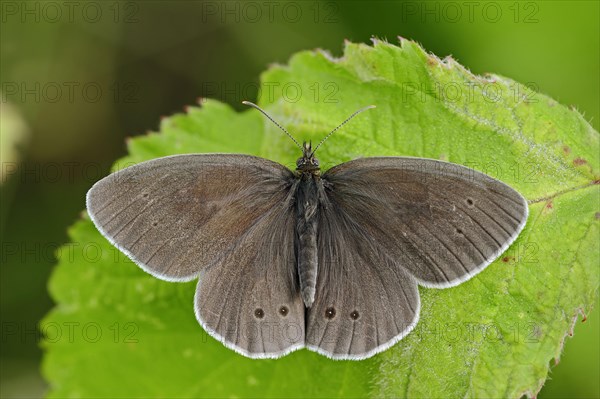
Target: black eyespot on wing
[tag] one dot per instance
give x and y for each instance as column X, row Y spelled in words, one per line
column 330, row 313
column 469, row 202
column 259, row 313
column 354, row 315
column 284, row 311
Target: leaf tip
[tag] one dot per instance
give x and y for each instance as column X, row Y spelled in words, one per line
column 327, row 55
column 403, row 40
column 376, row 41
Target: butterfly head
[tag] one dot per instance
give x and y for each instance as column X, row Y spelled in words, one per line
column 307, row 163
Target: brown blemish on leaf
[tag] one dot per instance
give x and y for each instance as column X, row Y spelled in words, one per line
column 579, row 161
column 507, row 259
column 549, row 205
column 566, row 149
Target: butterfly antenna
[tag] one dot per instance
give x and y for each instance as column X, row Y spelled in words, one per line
column 272, row 120
column 342, row 124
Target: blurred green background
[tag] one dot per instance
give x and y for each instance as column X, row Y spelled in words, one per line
column 79, row 77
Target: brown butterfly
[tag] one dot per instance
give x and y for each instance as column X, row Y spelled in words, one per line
column 290, row 259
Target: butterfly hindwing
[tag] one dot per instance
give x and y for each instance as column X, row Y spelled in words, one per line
column 250, row 299
column 364, row 302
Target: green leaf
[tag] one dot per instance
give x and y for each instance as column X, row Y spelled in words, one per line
column 117, row 331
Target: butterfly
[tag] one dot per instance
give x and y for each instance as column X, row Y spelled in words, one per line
column 330, row 261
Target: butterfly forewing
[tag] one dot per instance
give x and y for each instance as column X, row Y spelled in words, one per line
column 441, row 222
column 176, row 215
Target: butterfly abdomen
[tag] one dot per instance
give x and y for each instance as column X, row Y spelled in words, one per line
column 306, row 238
